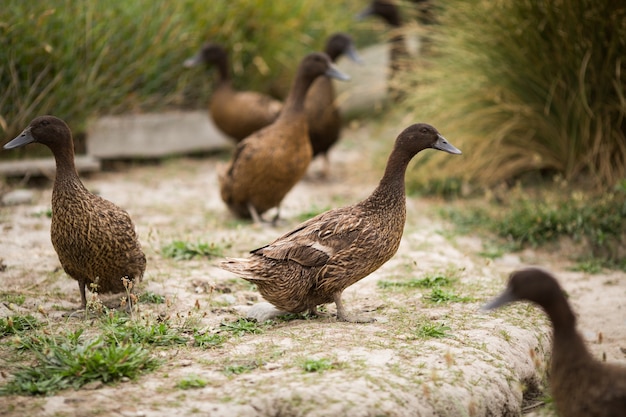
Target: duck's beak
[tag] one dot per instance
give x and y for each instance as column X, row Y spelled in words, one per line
column 353, row 54
column 334, row 72
column 504, row 298
column 443, row 145
column 23, row 139
column 194, row 60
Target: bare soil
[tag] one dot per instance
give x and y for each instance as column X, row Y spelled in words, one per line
column 482, row 368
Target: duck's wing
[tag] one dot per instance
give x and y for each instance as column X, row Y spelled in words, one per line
column 317, row 240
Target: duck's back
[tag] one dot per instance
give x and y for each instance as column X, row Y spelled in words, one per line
column 241, row 113
column 95, row 239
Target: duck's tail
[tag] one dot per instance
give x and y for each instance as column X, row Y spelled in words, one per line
column 241, row 267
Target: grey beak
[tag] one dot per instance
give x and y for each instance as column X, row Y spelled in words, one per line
column 23, row 139
column 443, row 145
column 504, row 298
column 334, row 72
column 353, row 54
column 193, row 61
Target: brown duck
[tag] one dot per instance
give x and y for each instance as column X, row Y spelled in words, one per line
column 95, row 240
column 314, row 263
column 323, row 114
column 580, row 385
column 268, row 163
column 236, row 113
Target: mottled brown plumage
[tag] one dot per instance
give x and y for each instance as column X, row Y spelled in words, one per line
column 315, row 262
column 95, row 240
column 236, row 113
column 323, row 113
column 580, row 385
column 268, row 163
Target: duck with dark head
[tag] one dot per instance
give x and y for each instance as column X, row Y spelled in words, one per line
column 322, row 110
column 580, row 385
column 267, row 164
column 315, row 262
column 236, row 113
column 95, row 240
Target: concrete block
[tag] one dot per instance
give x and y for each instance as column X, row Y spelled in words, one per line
column 153, row 135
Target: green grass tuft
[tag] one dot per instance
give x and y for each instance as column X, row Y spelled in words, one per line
column 180, row 250
column 18, row 324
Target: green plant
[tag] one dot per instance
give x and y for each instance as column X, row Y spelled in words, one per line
column 432, row 330
column 317, row 365
column 70, row 362
column 426, row 282
column 180, row 250
column 209, row 340
column 439, row 295
column 151, row 298
column 191, row 382
column 17, row 299
column 239, row 368
column 241, row 326
column 529, row 86
column 123, row 329
column 17, row 324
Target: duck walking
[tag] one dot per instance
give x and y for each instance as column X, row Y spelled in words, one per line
column 95, row 240
column 268, row 163
column 580, row 385
column 314, row 263
column 236, row 113
column 323, row 113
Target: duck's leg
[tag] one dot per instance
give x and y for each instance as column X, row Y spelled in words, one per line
column 256, row 218
column 314, row 312
column 343, row 316
column 83, row 296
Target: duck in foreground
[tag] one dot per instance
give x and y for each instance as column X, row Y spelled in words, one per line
column 236, row 113
column 314, row 263
column 323, row 113
column 580, row 385
column 95, row 240
column 268, row 163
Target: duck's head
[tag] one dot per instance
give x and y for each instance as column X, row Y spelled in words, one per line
column 385, row 9
column 210, row 53
column 47, row 130
column 529, row 284
column 423, row 136
column 319, row 63
column 341, row 43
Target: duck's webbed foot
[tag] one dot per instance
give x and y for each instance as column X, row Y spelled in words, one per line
column 342, row 315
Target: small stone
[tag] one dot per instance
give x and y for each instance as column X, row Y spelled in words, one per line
column 16, row 197
column 185, row 362
column 226, row 299
column 263, row 311
column 93, row 385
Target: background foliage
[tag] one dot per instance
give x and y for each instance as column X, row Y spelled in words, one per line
column 527, row 86
column 77, row 59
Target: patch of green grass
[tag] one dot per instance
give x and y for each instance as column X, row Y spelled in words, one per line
column 123, row 329
column 440, row 296
column 209, row 340
column 17, row 299
column 192, row 382
column 591, row 266
column 429, row 281
column 240, row 368
column 317, row 365
column 180, row 250
column 151, row 298
column 432, row 330
column 18, row 324
column 241, row 327
column 44, row 213
column 68, row 361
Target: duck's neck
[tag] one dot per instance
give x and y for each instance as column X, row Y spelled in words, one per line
column 568, row 345
column 222, row 70
column 66, row 174
column 391, row 189
column 295, row 100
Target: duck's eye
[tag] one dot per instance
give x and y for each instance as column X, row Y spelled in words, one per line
column 424, row 130
column 45, row 122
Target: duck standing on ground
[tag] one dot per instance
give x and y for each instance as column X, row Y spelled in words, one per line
column 95, row 240
column 323, row 114
column 314, row 263
column 580, row 385
column 236, row 113
column 268, row 163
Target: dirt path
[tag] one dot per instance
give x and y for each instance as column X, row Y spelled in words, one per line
column 385, row 368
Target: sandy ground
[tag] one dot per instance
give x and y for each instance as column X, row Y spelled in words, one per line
column 379, row 369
